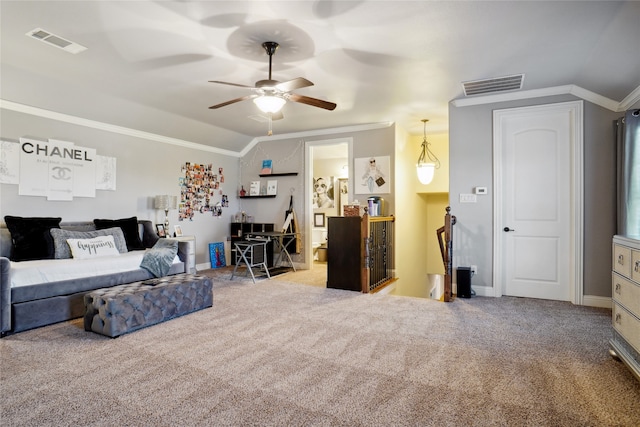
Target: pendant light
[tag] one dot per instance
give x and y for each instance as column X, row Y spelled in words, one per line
column 427, row 162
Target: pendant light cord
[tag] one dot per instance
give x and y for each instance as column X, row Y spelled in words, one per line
column 426, row 152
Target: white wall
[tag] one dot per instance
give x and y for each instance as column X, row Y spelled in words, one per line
column 471, row 165
column 144, row 169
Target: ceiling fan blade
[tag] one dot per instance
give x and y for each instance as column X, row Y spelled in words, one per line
column 233, row 101
column 293, row 84
column 231, row 84
column 311, row 101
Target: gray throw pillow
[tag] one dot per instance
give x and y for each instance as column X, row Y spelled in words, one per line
column 60, row 236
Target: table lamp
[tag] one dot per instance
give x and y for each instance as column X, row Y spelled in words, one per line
column 166, row 202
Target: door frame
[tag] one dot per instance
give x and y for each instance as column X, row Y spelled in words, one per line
column 575, row 109
column 308, row 190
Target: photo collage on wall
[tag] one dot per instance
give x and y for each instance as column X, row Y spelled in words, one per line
column 201, row 191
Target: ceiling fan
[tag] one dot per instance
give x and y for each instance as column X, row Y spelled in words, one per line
column 271, row 95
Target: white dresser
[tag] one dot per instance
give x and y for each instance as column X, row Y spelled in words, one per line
column 625, row 280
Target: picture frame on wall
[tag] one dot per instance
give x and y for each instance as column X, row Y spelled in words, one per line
column 254, row 189
column 272, row 187
column 318, row 219
column 372, row 175
column 323, row 192
column 267, row 167
column 160, row 230
column 342, row 192
column 178, row 230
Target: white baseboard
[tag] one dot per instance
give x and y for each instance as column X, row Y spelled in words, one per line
column 203, row 266
column 386, row 290
column 594, row 301
column 207, row 266
column 483, row 291
column 587, row 300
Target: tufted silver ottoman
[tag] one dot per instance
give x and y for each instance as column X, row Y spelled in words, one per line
column 125, row 308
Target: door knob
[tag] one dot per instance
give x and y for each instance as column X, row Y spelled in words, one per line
column 507, row 229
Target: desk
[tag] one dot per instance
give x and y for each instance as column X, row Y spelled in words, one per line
column 281, row 245
column 252, row 253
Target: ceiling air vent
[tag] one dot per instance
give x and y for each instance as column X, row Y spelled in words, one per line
column 497, row 84
column 57, row 41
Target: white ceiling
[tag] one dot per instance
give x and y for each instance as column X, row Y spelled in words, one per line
column 148, row 63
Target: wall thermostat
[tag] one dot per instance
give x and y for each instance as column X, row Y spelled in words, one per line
column 480, row 190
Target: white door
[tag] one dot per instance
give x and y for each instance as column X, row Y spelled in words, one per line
column 536, row 225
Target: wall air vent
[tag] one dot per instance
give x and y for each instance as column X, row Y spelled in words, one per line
column 57, row 41
column 497, row 84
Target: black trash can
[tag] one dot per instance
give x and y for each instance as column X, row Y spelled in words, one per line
column 463, row 281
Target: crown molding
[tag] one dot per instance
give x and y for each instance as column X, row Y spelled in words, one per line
column 594, row 98
column 318, row 132
column 47, row 114
column 577, row 91
column 40, row 112
column 631, row 99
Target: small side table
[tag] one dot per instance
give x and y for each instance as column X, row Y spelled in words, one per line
column 253, row 253
column 191, row 252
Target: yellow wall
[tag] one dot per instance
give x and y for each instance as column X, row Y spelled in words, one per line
column 436, row 205
column 439, row 145
column 420, row 211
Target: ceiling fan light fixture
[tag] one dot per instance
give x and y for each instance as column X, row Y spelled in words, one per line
column 269, row 103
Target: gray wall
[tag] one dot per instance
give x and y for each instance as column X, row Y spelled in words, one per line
column 288, row 156
column 471, row 155
column 144, row 169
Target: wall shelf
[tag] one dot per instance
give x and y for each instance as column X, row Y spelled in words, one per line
column 267, row 175
column 261, row 196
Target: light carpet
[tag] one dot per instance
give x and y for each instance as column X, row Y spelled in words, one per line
column 283, row 354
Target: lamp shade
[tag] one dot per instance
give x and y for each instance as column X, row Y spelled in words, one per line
column 166, row 202
column 425, row 172
column 427, row 162
column 269, row 104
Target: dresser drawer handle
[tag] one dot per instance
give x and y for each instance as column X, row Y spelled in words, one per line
column 618, row 288
column 621, row 259
column 636, row 266
column 618, row 318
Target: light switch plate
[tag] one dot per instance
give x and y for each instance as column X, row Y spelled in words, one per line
column 467, row 198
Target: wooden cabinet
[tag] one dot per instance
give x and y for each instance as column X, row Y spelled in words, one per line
column 344, row 253
column 360, row 252
column 625, row 282
column 239, row 231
